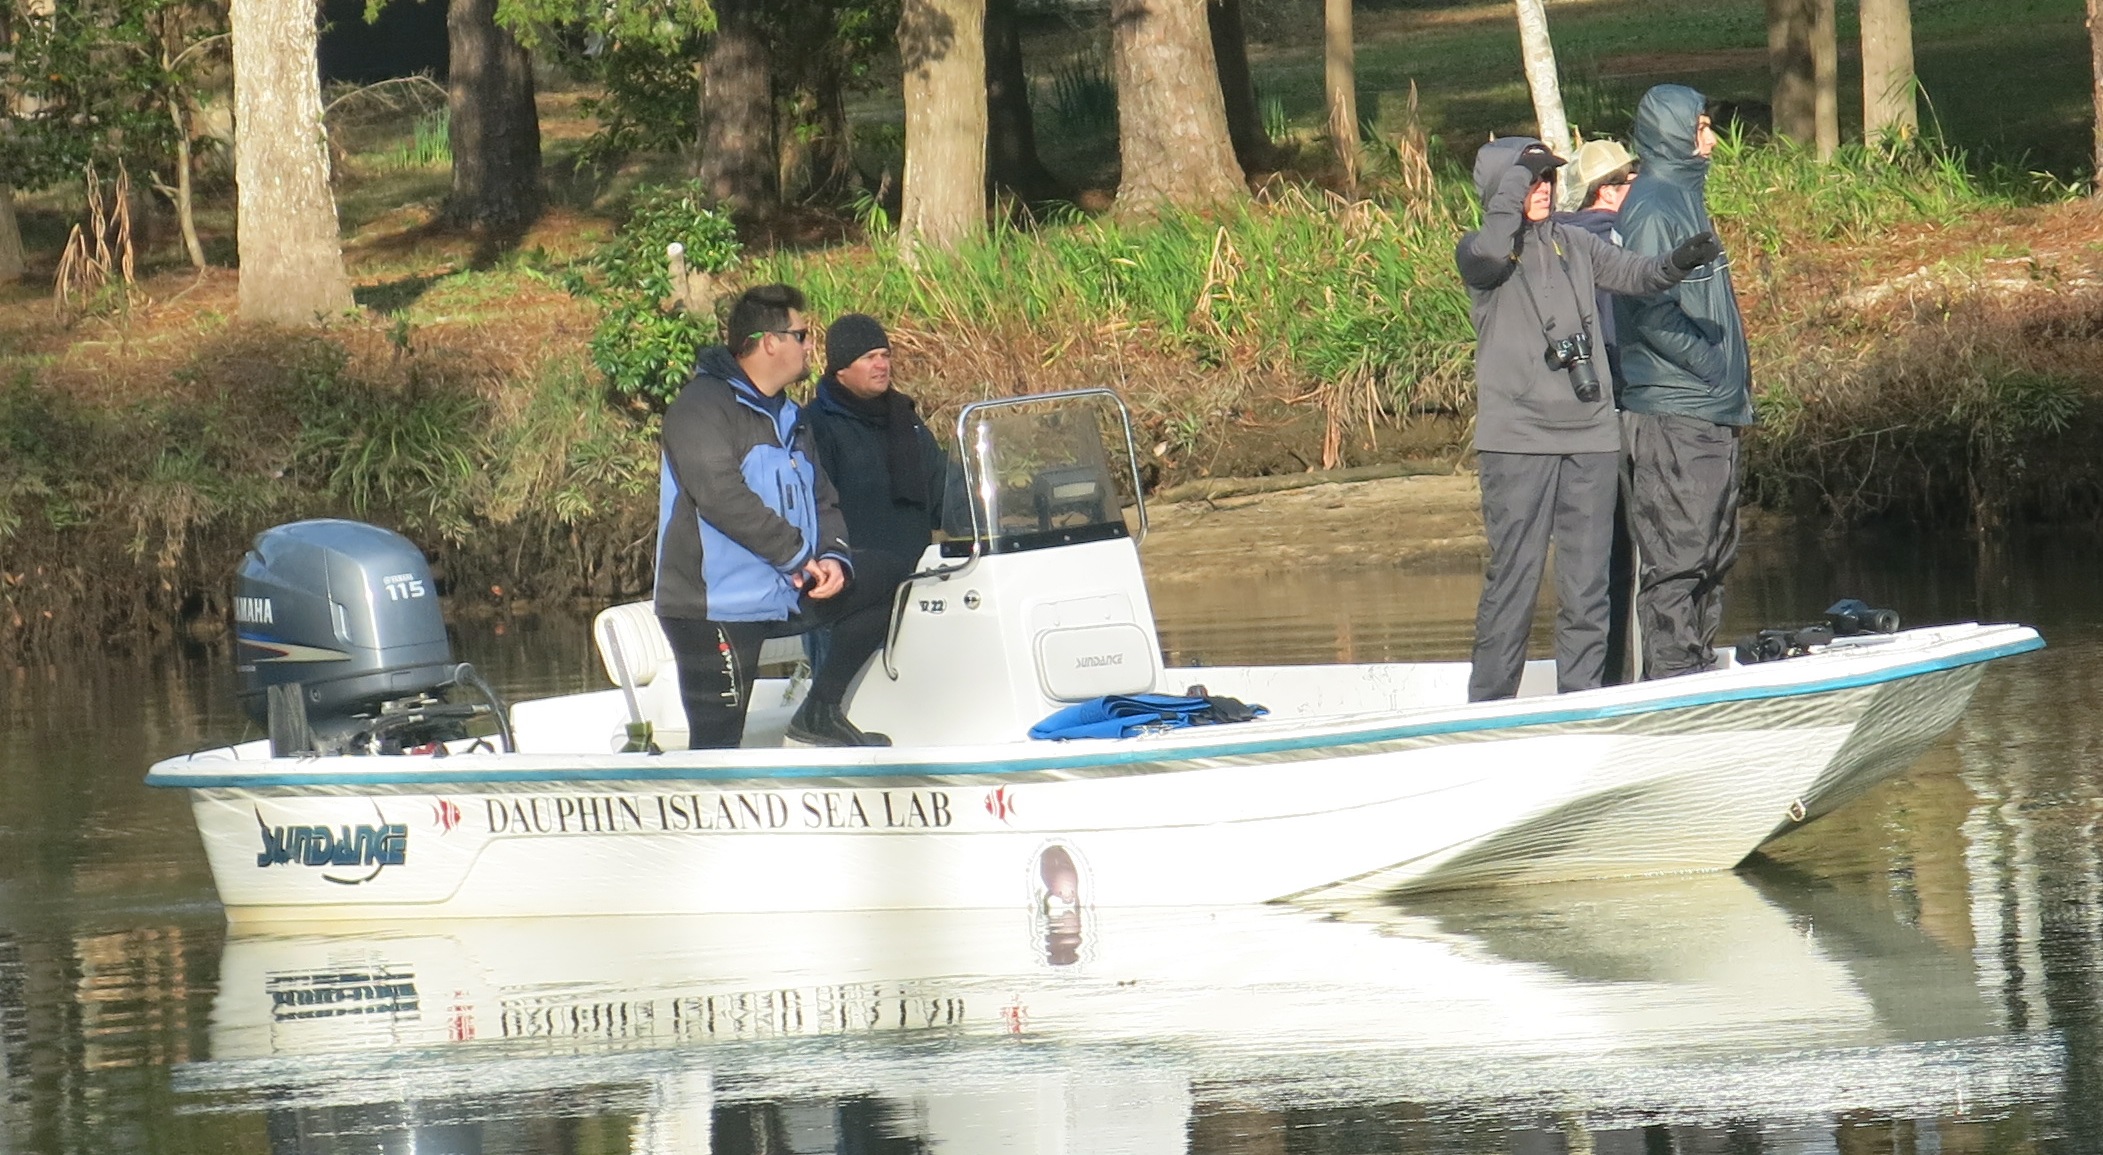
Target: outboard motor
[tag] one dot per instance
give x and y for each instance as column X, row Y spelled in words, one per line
column 341, row 646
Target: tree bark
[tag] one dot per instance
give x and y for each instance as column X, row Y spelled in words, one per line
column 1171, row 118
column 942, row 46
column 1230, row 51
column 495, row 128
column 12, row 260
column 1803, row 55
column 291, row 252
column 2095, row 42
column 1825, row 75
column 1888, row 105
column 737, row 111
column 1340, row 86
column 1538, row 53
column 1011, row 135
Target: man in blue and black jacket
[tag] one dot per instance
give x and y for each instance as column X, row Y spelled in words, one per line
column 750, row 541
column 1687, row 395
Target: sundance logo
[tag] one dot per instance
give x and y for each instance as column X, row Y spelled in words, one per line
column 1098, row 661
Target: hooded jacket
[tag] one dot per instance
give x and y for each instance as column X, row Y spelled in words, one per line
column 853, row 451
column 1683, row 350
column 1529, row 284
column 741, row 503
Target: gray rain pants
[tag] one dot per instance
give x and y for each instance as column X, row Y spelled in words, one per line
column 1528, row 501
column 1683, row 515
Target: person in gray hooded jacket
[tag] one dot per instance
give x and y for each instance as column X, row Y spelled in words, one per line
column 1687, row 393
column 1547, row 442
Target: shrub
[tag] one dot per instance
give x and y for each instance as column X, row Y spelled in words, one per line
column 644, row 345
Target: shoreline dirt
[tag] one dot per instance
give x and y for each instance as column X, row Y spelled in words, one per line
column 1425, row 522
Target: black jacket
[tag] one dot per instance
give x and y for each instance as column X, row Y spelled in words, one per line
column 852, row 451
column 1528, row 282
column 1683, row 349
column 741, row 502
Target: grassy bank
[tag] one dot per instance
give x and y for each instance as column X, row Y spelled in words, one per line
column 1925, row 345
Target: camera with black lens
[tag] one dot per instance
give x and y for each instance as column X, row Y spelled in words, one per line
column 1574, row 353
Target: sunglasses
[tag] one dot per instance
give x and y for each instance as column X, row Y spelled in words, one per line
column 803, row 336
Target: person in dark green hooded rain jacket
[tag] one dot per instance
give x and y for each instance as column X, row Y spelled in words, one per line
column 1686, row 393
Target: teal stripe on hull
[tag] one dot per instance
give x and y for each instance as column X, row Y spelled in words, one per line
column 438, row 775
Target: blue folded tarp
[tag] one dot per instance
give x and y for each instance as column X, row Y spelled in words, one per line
column 1123, row 715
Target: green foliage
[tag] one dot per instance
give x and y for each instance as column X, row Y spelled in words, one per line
column 1084, row 97
column 650, row 102
column 644, row 349
column 94, row 81
column 1351, row 295
column 1780, row 194
column 664, row 25
column 429, row 145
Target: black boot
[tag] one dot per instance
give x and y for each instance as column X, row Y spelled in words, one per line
column 822, row 724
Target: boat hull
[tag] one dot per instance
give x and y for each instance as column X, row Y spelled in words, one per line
column 1667, row 777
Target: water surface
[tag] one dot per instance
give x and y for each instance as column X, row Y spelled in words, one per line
column 1917, row 973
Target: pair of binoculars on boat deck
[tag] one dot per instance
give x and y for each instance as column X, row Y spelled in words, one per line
column 1848, row 617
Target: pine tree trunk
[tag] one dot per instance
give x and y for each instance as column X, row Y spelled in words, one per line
column 2095, row 42
column 1888, row 106
column 1340, row 86
column 737, row 111
column 12, row 261
column 942, row 45
column 1825, row 75
column 1538, row 53
column 1230, row 50
column 1789, row 62
column 291, row 253
column 1011, row 135
column 1171, row 118
column 495, row 132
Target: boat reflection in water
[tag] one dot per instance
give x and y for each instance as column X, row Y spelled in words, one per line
column 1752, row 1003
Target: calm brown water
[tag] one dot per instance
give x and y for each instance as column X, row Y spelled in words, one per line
column 1916, row 974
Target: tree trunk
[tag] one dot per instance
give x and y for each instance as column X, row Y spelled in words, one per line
column 291, row 252
column 2095, row 42
column 495, row 132
column 1789, row 64
column 1340, row 86
column 12, row 261
column 1888, row 106
column 1825, row 74
column 1538, row 53
column 1171, row 118
column 1803, row 54
column 1230, row 51
column 942, row 46
column 737, row 111
column 1011, row 135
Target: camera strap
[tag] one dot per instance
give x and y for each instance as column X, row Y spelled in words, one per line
column 1569, row 278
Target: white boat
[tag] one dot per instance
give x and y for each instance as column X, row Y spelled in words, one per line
column 1362, row 780
column 1708, row 1000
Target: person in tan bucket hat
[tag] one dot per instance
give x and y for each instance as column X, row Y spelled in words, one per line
column 1601, row 173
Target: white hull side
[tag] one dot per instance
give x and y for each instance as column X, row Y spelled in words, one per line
column 1686, row 776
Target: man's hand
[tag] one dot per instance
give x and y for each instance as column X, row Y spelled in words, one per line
column 1538, row 161
column 1696, row 251
column 821, row 578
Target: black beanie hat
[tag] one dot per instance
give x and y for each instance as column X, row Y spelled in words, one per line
column 849, row 337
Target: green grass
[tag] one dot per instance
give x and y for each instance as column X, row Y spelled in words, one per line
column 2008, row 79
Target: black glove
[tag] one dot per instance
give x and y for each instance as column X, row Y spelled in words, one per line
column 1538, row 161
column 1696, row 251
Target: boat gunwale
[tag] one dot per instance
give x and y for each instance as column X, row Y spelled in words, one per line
column 1190, row 746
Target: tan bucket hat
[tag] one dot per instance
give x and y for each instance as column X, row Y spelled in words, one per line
column 1596, row 161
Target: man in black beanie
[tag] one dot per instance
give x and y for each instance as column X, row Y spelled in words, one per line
column 871, row 442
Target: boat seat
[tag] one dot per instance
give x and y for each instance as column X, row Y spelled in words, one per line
column 629, row 635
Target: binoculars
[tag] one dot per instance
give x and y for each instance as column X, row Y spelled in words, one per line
column 1848, row 617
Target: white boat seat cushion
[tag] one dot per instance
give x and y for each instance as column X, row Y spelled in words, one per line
column 633, row 632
